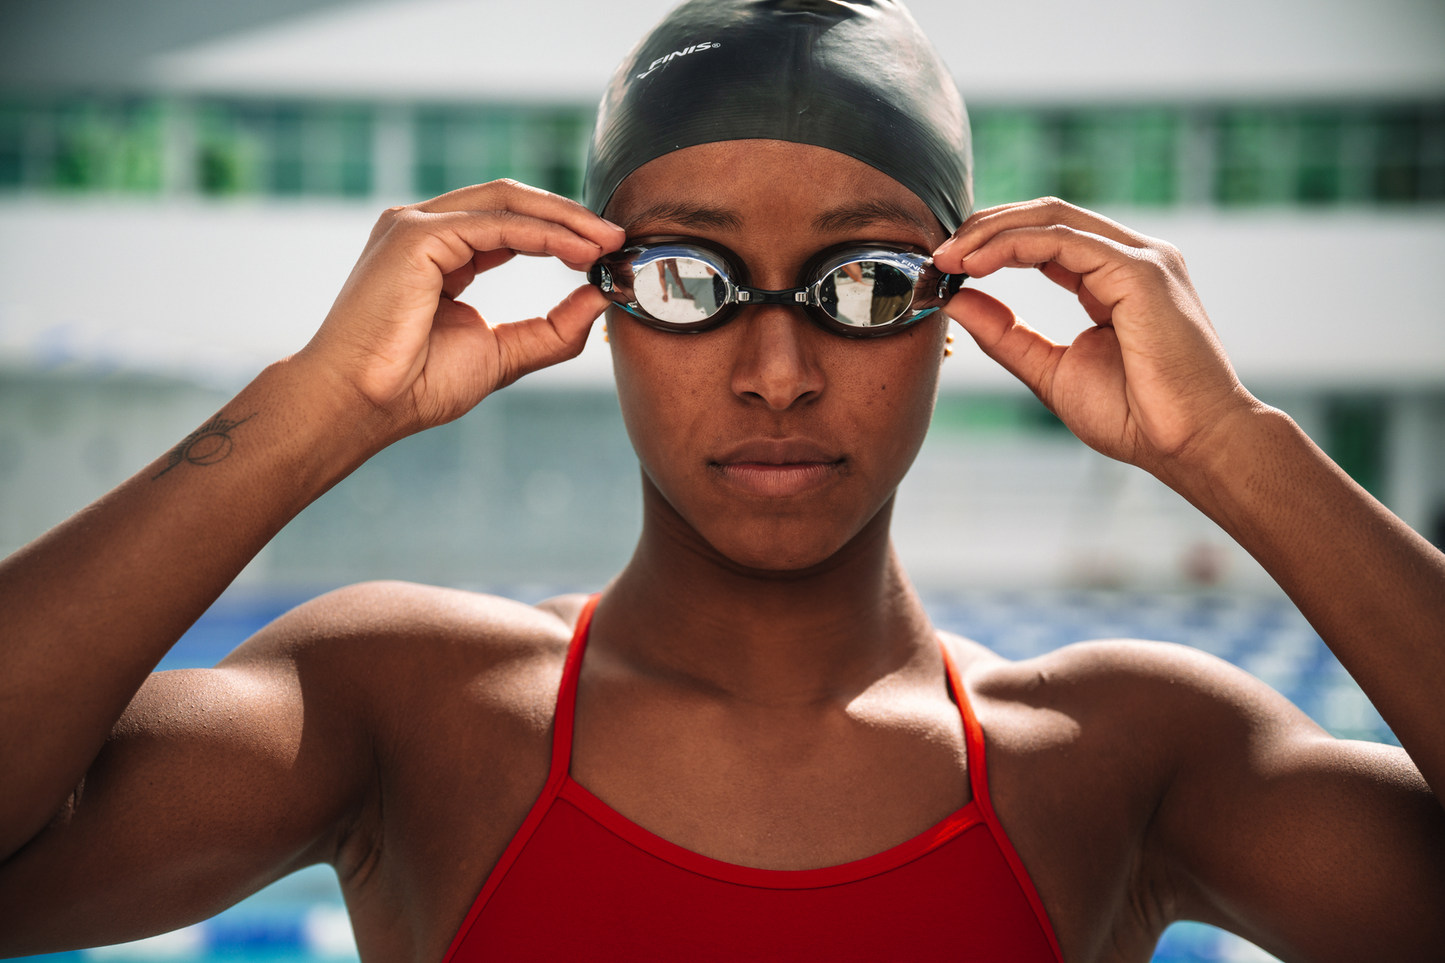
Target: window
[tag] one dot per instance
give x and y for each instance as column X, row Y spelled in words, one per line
column 457, row 146
column 1153, row 155
column 283, row 149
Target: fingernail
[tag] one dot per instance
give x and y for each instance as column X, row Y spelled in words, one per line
column 617, row 226
column 944, row 246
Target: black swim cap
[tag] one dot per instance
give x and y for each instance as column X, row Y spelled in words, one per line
column 857, row 77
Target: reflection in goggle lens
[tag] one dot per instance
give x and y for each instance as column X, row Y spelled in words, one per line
column 679, row 290
column 866, row 293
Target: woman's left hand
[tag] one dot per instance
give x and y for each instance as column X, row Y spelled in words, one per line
column 1148, row 382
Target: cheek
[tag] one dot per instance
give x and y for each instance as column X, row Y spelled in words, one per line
column 891, row 388
column 665, row 385
column 674, row 389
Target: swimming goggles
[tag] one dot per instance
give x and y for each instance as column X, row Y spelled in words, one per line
column 856, row 290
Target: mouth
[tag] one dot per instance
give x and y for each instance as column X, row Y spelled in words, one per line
column 778, row 469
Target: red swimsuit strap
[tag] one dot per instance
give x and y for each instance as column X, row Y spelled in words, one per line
column 556, row 774
column 978, row 782
column 562, row 722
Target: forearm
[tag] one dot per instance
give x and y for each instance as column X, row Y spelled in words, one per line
column 1372, row 587
column 92, row 606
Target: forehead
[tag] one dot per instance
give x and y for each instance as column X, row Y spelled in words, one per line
column 767, row 186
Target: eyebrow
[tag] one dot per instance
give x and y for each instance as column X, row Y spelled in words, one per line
column 691, row 215
column 869, row 213
column 852, row 217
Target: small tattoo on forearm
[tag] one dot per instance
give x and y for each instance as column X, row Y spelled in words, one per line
column 206, row 445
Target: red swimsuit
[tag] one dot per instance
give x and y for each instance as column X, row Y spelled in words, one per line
column 581, row 882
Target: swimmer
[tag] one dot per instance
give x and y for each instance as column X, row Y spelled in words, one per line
column 753, row 744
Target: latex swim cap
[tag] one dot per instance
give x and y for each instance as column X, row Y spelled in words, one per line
column 857, row 77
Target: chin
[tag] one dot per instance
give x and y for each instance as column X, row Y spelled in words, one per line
column 792, row 545
column 781, row 557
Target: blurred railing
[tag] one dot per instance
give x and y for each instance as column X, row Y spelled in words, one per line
column 1161, row 155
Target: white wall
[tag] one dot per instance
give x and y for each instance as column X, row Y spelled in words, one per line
column 1048, row 50
column 1300, row 299
column 216, row 290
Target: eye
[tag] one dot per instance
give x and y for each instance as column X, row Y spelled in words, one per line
column 866, row 293
column 679, row 289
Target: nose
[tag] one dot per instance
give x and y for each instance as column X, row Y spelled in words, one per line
column 776, row 361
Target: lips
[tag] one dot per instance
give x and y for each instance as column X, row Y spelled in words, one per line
column 769, row 468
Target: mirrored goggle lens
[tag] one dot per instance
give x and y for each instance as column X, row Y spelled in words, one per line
column 866, row 294
column 679, row 290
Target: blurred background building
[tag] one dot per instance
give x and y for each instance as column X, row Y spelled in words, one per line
column 184, row 185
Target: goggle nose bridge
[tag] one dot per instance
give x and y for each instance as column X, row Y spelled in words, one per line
column 785, row 296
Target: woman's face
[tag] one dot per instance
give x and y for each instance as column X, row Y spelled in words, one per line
column 774, row 441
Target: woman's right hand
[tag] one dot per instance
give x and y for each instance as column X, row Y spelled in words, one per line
column 92, row 606
column 400, row 340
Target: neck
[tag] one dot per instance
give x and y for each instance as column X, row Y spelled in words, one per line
column 681, row 610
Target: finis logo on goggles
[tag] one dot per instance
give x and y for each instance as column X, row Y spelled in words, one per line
column 661, row 61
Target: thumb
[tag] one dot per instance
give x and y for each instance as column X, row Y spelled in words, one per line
column 1022, row 351
column 526, row 346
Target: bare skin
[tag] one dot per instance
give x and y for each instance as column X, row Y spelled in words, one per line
column 764, row 625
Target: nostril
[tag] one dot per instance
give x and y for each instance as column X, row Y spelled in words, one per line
column 776, row 362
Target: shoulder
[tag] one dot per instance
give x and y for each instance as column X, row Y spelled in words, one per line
column 1084, row 746
column 443, row 696
column 412, row 617
column 376, row 643
column 1138, row 717
column 1102, row 732
column 1109, row 685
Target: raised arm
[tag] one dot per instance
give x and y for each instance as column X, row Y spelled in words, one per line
column 91, row 607
column 1309, row 844
column 1149, row 384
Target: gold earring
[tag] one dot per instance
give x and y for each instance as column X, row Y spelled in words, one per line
column 604, row 331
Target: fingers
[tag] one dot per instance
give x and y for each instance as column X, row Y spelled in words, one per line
column 1022, row 351
column 1098, row 312
column 480, row 227
column 1043, row 212
column 397, row 331
column 1099, row 260
column 456, row 282
column 451, row 239
column 526, row 346
column 1148, row 377
column 509, row 196
column 1076, row 251
column 1106, row 271
column 486, row 260
column 1086, row 253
